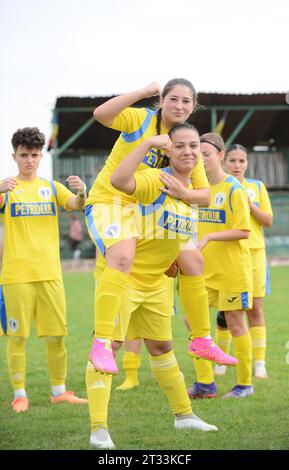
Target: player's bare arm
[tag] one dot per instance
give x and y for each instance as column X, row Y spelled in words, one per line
column 224, row 236
column 106, row 112
column 122, row 178
column 76, row 202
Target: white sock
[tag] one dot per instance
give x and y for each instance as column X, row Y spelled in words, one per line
column 58, row 390
column 20, row 393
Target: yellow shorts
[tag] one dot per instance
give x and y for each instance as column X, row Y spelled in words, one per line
column 43, row 302
column 261, row 280
column 228, row 301
column 144, row 314
column 110, row 223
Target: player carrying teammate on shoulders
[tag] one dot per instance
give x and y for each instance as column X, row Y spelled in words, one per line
column 31, row 280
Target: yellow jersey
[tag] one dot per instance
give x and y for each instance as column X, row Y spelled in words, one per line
column 31, row 235
column 258, row 194
column 165, row 225
column 136, row 125
column 227, row 263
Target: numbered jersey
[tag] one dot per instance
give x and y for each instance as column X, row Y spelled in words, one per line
column 31, row 236
column 227, row 263
column 136, row 125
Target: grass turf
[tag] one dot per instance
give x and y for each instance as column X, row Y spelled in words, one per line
column 140, row 418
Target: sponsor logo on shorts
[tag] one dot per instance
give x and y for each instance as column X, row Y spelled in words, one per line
column 112, row 231
column 232, row 299
column 13, row 324
column 44, row 191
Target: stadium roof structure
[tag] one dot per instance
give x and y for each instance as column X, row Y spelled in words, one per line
column 252, row 119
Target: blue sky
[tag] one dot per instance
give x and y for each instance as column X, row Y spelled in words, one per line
column 51, row 48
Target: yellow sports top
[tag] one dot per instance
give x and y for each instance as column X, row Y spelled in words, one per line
column 136, row 125
column 227, row 263
column 166, row 224
column 259, row 196
column 31, row 236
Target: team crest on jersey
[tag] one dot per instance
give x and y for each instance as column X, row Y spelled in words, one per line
column 44, row 191
column 251, row 194
column 220, row 199
column 13, row 324
column 112, row 231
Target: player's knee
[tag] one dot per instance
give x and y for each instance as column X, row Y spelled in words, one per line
column 157, row 348
column 221, row 320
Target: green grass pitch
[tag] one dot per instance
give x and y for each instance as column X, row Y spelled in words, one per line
column 140, row 418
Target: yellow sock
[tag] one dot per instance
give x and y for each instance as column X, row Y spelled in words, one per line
column 16, row 361
column 223, row 339
column 171, row 380
column 194, row 299
column 56, row 356
column 108, row 296
column 98, row 388
column 243, row 352
column 131, row 364
column 258, row 335
column 204, row 371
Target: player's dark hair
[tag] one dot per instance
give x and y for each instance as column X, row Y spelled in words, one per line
column 184, row 125
column 167, row 88
column 214, row 139
column 235, row 147
column 29, row 137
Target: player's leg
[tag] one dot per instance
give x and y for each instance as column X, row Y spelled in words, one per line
column 20, row 301
column 119, row 251
column 236, row 321
column 194, row 299
column 256, row 316
column 50, row 319
column 131, row 364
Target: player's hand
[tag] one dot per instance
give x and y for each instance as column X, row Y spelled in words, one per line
column 153, row 89
column 161, row 142
column 173, row 187
column 173, row 270
column 74, row 182
column 203, row 243
column 8, row 185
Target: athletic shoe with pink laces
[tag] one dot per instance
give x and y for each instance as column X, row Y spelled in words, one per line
column 206, row 349
column 20, row 404
column 102, row 357
column 68, row 397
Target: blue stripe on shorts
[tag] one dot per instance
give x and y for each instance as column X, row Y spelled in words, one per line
column 3, row 316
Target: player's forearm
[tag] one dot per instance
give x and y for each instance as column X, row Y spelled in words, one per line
column 197, row 196
column 106, row 112
column 77, row 202
column 122, row 178
column 228, row 235
column 262, row 217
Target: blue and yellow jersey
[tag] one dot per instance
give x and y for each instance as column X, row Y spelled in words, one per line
column 259, row 196
column 136, row 125
column 166, row 224
column 31, row 236
column 227, row 263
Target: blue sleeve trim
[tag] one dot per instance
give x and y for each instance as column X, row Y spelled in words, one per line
column 245, row 299
column 236, row 184
column 3, row 316
column 133, row 136
column 150, row 208
column 94, row 235
column 2, row 210
column 256, row 182
column 53, row 188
